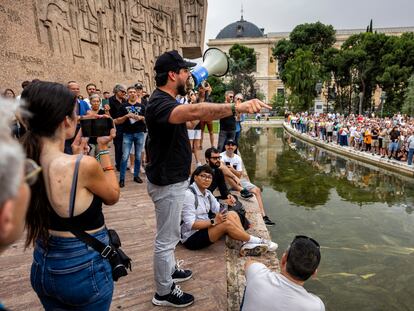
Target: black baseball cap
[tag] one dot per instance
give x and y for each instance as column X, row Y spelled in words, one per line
column 171, row 61
column 230, row 142
column 139, row 86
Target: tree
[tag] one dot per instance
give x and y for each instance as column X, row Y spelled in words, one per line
column 278, row 103
column 315, row 37
column 301, row 77
column 242, row 64
column 218, row 89
column 408, row 107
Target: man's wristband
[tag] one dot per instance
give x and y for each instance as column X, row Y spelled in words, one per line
column 213, row 222
column 233, row 109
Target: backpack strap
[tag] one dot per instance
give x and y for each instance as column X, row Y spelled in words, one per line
column 195, row 196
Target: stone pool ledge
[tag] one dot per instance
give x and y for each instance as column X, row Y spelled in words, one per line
column 385, row 163
column 235, row 263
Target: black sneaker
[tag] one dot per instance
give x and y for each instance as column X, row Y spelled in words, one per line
column 268, row 221
column 245, row 194
column 181, row 275
column 177, row 298
column 138, row 180
column 121, row 184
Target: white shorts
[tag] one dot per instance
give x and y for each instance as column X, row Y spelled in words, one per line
column 246, row 184
column 194, row 134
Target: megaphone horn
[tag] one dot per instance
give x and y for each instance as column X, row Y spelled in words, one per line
column 215, row 63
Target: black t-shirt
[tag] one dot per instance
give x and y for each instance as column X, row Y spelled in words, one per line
column 115, row 111
column 374, row 133
column 394, row 136
column 137, row 126
column 228, row 124
column 219, row 181
column 168, row 147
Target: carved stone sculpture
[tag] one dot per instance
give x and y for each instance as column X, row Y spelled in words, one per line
column 100, row 41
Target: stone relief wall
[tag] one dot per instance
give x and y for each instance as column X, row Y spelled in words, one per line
column 100, row 41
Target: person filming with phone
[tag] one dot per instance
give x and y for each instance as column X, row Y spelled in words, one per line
column 66, row 273
column 199, row 231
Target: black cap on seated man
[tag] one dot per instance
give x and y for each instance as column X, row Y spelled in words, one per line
column 265, row 289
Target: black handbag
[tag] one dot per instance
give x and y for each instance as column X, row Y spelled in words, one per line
column 241, row 211
column 119, row 261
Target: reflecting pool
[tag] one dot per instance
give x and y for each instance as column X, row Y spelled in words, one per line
column 362, row 217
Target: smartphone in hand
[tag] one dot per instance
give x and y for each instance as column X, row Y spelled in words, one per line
column 96, row 127
column 224, row 208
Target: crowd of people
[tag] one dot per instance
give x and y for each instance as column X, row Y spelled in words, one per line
column 55, row 182
column 388, row 137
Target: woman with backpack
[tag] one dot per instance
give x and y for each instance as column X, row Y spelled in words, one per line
column 198, row 230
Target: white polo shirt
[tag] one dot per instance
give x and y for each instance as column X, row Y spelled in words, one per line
column 270, row 291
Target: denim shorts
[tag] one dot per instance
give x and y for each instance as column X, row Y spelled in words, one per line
column 69, row 275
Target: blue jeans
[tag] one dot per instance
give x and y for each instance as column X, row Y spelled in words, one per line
column 69, row 275
column 410, row 156
column 138, row 140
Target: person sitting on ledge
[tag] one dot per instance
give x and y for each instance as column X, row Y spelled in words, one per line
column 235, row 164
column 272, row 291
column 199, row 231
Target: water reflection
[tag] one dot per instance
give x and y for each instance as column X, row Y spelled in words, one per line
column 361, row 216
column 307, row 173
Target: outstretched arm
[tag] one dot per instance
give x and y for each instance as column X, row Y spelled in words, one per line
column 209, row 112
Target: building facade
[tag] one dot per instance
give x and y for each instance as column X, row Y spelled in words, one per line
column 99, row 41
column 267, row 73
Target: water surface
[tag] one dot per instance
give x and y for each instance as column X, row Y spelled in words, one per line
column 362, row 217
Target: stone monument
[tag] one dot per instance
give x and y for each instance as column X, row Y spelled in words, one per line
column 99, row 41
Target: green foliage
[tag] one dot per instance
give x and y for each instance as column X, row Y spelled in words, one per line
column 278, row 103
column 218, row 89
column 408, row 107
column 301, row 74
column 242, row 59
column 242, row 64
column 315, row 37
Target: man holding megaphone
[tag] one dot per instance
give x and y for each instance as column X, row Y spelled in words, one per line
column 169, row 154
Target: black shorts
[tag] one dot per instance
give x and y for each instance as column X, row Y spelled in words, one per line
column 329, row 134
column 198, row 240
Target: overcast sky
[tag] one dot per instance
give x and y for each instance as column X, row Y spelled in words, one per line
column 284, row 15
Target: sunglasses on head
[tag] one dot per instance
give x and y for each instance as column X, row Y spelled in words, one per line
column 31, row 171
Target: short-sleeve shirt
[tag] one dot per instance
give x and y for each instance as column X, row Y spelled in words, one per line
column 271, row 291
column 235, row 161
column 82, row 108
column 206, row 202
column 115, row 111
column 228, row 124
column 133, row 126
column 168, row 146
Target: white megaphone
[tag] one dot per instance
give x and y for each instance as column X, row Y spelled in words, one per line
column 215, row 63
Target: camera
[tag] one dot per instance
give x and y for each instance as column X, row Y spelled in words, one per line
column 96, row 127
column 120, row 262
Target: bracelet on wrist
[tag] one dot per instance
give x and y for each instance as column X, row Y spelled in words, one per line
column 108, row 168
column 101, row 153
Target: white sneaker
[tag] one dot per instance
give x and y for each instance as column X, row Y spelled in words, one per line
column 254, row 249
column 272, row 246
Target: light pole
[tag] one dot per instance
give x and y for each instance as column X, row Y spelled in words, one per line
column 361, row 97
column 383, row 98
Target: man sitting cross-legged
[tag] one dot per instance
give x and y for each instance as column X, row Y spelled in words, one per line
column 235, row 165
column 199, row 231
